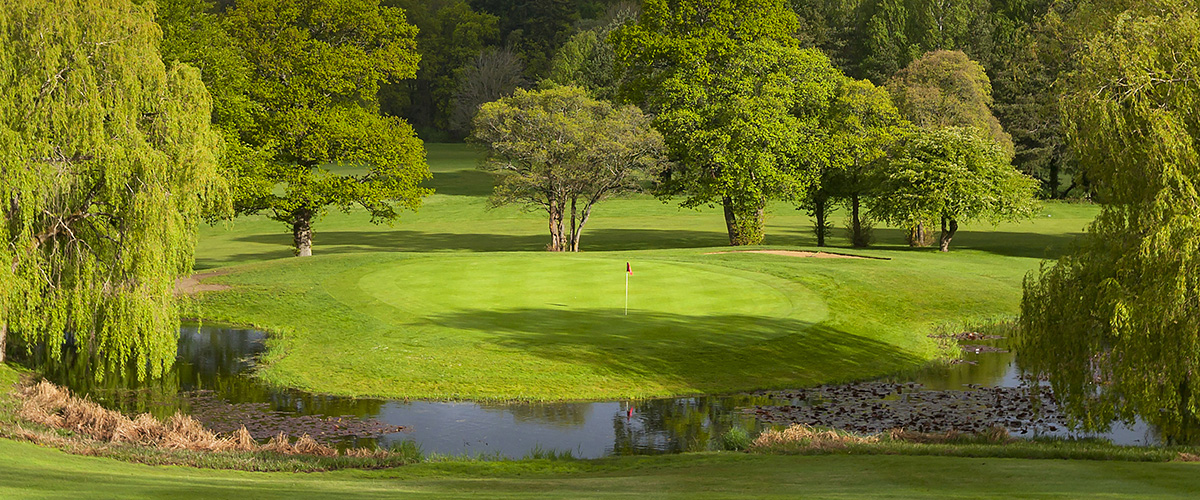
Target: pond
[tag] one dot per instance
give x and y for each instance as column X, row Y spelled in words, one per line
column 212, row 381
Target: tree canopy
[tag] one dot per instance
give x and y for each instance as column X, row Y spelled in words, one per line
column 315, row 70
column 561, row 151
column 947, row 89
column 953, row 175
column 863, row 125
column 106, row 164
column 1114, row 325
column 737, row 102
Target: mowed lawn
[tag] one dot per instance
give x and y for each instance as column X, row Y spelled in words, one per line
column 458, row 301
column 31, row 472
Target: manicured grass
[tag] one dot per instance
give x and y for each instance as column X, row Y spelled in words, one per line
column 28, row 471
column 457, row 219
column 389, row 312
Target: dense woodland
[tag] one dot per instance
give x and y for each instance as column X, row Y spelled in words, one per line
column 474, row 51
column 1021, row 45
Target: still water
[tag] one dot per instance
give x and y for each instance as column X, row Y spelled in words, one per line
column 212, row 381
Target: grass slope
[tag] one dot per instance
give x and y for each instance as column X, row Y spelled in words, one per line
column 28, row 471
column 457, row 302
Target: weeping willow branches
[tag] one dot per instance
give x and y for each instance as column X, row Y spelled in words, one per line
column 106, row 163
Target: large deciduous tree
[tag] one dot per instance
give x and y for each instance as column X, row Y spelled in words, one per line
column 947, row 89
column 106, row 164
column 316, row 67
column 1115, row 325
column 863, row 125
column 563, row 152
column 738, row 103
column 951, row 175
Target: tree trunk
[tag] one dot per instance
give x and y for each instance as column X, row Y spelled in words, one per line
column 556, row 227
column 857, row 238
column 587, row 212
column 571, row 245
column 919, row 236
column 302, row 233
column 949, row 227
column 730, row 220
column 746, row 230
column 3, row 339
column 820, row 210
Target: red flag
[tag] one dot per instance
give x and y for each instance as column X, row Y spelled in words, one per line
column 629, row 269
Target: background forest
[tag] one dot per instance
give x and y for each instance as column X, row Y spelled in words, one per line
column 473, row 51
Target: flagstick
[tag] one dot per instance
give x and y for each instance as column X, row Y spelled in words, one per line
column 627, row 294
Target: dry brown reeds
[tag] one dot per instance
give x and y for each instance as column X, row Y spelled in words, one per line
column 53, row 406
column 1187, row 457
column 809, row 438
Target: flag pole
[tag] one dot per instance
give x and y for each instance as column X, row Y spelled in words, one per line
column 628, row 273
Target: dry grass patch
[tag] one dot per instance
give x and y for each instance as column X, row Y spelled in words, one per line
column 803, row 437
column 53, row 406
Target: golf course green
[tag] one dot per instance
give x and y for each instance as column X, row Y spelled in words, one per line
column 459, row 302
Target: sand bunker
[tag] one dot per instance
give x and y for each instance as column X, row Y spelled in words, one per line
column 191, row 285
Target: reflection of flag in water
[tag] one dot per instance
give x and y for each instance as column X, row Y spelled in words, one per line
column 628, row 269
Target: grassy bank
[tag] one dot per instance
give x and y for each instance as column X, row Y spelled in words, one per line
column 458, row 301
column 27, row 471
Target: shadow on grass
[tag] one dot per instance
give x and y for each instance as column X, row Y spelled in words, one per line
column 708, row 353
column 461, row 183
column 419, row 241
column 1013, row 244
column 1007, row 243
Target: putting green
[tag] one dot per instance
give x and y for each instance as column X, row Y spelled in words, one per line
column 552, row 327
column 585, row 296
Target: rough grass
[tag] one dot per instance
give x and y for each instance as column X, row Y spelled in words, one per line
column 458, row 301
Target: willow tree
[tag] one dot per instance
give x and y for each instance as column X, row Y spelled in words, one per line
column 561, row 151
column 737, row 102
column 1115, row 325
column 315, row 69
column 106, row 163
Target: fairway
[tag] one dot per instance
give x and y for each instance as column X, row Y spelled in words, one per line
column 29, row 471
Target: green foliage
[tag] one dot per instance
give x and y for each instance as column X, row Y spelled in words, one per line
column 450, row 35
column 1114, row 325
column 947, row 89
column 953, row 175
column 533, row 28
column 561, row 151
column 863, row 125
column 316, row 68
column 739, row 105
column 736, row 439
column 106, row 164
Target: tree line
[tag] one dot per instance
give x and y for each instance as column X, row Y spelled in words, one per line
column 748, row 115
column 474, row 51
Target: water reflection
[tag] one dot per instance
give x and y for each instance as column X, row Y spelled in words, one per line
column 220, row 360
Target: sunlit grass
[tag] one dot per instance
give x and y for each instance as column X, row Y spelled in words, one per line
column 458, row 301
